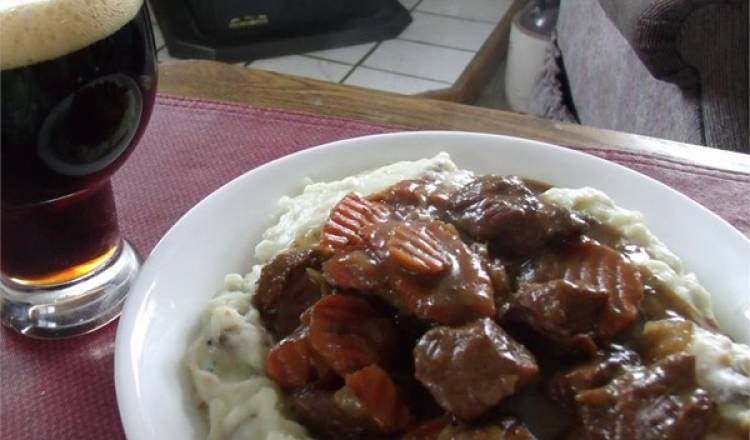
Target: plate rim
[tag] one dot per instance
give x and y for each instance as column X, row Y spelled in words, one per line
column 130, row 418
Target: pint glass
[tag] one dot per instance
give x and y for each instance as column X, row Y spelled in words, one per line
column 78, row 85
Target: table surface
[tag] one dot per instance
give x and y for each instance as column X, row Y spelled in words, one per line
column 218, row 81
column 65, row 389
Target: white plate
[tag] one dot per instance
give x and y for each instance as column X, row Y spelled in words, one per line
column 218, row 235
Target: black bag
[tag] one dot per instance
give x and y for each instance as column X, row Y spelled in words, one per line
column 233, row 18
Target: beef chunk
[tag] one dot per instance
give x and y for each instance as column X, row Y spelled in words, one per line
column 470, row 369
column 442, row 429
column 660, row 401
column 368, row 406
column 355, row 270
column 508, row 429
column 414, row 199
column 332, row 415
column 590, row 264
column 427, row 430
column 422, row 268
column 435, row 276
column 564, row 386
column 505, row 211
column 560, row 310
column 285, row 290
column 485, row 186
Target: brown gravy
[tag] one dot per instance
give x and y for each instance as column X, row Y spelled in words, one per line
column 474, row 312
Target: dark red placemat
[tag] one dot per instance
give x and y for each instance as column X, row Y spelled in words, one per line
column 65, row 389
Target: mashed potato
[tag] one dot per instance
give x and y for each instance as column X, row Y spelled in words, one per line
column 660, row 262
column 226, row 360
column 301, row 217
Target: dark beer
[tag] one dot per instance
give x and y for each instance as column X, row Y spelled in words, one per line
column 67, row 124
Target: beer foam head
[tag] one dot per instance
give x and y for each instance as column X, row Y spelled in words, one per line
column 32, row 31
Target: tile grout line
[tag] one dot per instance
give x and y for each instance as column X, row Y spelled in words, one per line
column 359, row 63
column 362, row 60
column 408, row 75
column 473, row 20
column 304, row 55
column 442, row 46
column 319, row 58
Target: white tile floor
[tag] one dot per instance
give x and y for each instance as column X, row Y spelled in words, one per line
column 430, row 54
column 419, row 60
column 446, row 31
column 392, row 82
column 348, row 55
column 490, row 11
column 304, row 66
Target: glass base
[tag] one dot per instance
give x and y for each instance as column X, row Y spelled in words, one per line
column 73, row 308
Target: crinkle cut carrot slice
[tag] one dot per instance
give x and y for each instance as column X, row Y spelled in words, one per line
column 594, row 264
column 347, row 218
column 464, row 290
column 415, row 249
column 349, row 334
column 293, row 363
column 378, row 394
column 589, row 263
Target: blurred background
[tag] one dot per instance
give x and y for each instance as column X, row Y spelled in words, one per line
column 674, row 70
column 425, row 50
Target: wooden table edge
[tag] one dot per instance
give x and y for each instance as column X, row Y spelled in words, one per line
column 225, row 82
